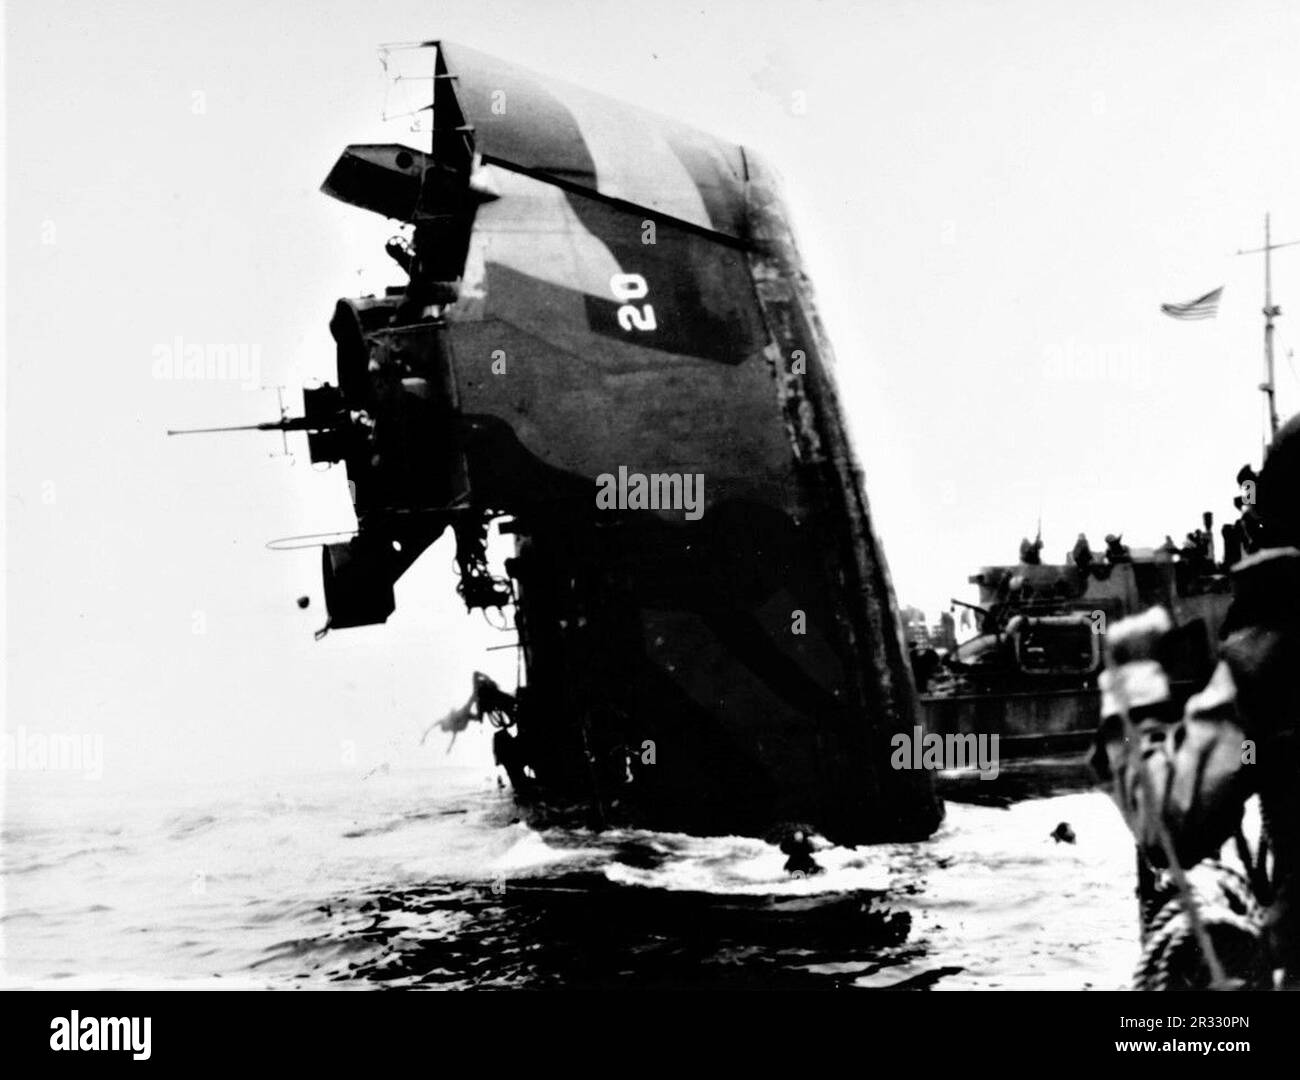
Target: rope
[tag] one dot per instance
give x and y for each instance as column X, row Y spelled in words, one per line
column 1229, row 915
column 1184, row 895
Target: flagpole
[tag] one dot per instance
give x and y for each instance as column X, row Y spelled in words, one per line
column 1270, row 311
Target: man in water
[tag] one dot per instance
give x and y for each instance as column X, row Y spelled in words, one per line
column 1181, row 776
column 798, row 844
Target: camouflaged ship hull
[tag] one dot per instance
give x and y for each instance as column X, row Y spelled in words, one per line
column 593, row 289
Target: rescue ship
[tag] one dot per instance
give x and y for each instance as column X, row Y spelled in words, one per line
column 1029, row 673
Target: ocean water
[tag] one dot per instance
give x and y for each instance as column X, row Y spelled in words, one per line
column 430, row 879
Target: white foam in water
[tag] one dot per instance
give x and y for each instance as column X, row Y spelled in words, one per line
column 744, row 866
column 526, row 850
column 269, row 882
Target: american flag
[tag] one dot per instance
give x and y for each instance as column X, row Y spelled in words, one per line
column 1203, row 307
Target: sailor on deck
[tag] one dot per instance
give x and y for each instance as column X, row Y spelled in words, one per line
column 1188, row 771
column 1031, row 551
column 1081, row 555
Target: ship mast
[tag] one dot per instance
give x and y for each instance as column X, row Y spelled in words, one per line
column 1271, row 311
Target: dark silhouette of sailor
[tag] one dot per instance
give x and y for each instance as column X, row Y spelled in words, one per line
column 798, row 845
column 1239, row 736
column 1081, row 555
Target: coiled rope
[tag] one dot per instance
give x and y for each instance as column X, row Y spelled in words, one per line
column 1230, row 915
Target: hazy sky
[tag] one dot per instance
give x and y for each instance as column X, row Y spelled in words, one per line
column 990, row 196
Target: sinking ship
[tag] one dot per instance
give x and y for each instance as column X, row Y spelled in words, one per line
column 603, row 341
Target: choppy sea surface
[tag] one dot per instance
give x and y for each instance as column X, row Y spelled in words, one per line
column 430, row 879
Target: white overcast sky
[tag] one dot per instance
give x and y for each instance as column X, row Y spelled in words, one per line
column 987, row 194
